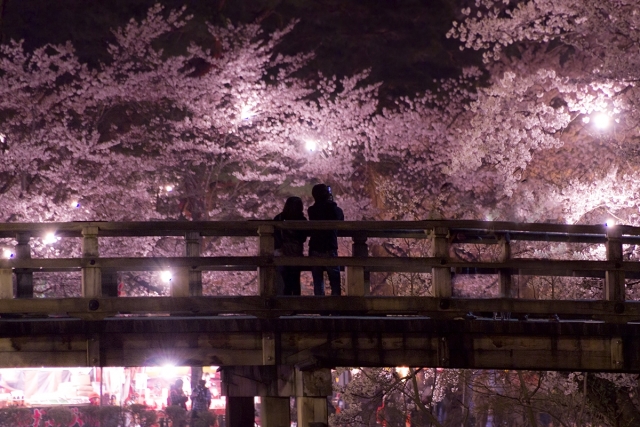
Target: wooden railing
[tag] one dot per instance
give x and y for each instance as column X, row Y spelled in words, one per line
column 99, row 292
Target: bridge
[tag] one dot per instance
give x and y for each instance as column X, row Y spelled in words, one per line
column 279, row 346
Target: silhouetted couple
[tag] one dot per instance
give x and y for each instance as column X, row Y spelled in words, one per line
column 322, row 243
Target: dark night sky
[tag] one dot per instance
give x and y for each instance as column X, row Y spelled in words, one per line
column 401, row 40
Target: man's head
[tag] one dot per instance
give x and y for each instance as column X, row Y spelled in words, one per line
column 321, row 193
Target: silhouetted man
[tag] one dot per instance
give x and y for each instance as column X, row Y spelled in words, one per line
column 324, row 243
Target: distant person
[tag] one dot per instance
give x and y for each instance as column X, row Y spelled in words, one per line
column 290, row 243
column 177, row 396
column 324, row 243
column 200, row 400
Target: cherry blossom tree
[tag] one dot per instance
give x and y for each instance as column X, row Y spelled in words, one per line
column 222, row 127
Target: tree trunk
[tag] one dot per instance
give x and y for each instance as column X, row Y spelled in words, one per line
column 612, row 403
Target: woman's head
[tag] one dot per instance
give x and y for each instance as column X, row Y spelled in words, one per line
column 293, row 208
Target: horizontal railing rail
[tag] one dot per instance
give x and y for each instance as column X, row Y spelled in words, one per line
column 16, row 274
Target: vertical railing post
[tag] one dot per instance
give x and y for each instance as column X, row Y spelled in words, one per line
column 356, row 278
column 193, row 243
column 441, row 276
column 183, row 283
column 614, row 279
column 266, row 274
column 91, row 275
column 6, row 283
column 24, row 277
column 109, row 283
column 504, row 275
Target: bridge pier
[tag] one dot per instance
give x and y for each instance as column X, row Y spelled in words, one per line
column 275, row 385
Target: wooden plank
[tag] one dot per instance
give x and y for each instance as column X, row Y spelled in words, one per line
column 268, row 348
column 266, row 271
column 43, row 344
column 94, row 357
column 193, row 241
column 275, row 412
column 180, row 357
column 568, row 344
column 6, row 283
column 539, row 267
column 617, row 353
column 437, row 307
column 24, row 278
column 249, row 228
column 28, row 359
column 614, row 287
column 235, row 341
column 312, row 410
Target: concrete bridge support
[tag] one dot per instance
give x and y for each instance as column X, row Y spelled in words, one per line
column 275, row 385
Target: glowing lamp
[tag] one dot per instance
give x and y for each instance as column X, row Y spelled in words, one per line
column 166, row 276
column 310, row 145
column 7, row 253
column 610, row 223
column 601, row 121
column 50, row 239
column 403, row 371
column 169, row 188
column 75, row 204
column 246, row 113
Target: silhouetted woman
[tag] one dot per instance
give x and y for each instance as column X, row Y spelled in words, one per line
column 290, row 243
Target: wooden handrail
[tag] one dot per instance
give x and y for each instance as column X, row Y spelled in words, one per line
column 443, row 233
column 347, row 228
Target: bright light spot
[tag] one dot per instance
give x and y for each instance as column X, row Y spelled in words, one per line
column 7, row 253
column 166, row 276
column 586, row 119
column 75, row 204
column 403, row 371
column 169, row 370
column 310, row 145
column 246, row 112
column 50, row 239
column 169, row 188
column 3, row 137
column 601, row 121
column 610, row 223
